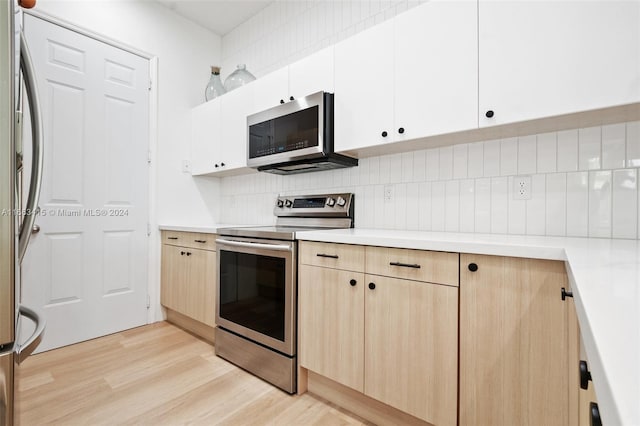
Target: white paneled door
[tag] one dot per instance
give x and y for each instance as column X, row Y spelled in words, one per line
column 87, row 267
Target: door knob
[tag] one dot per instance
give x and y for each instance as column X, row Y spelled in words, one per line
column 35, row 229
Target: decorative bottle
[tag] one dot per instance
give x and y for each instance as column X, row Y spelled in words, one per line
column 215, row 87
column 238, row 78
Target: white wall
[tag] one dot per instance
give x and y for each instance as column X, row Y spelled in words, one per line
column 185, row 51
column 584, row 181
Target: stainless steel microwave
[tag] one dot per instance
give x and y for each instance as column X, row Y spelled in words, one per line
column 295, row 137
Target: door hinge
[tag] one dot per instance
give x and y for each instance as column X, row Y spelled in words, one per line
column 564, row 293
column 148, row 301
column 148, row 229
column 149, row 157
column 150, row 84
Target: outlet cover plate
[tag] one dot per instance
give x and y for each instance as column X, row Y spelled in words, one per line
column 522, row 187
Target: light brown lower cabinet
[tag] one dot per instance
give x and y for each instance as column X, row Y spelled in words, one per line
column 188, row 280
column 518, row 362
column 393, row 340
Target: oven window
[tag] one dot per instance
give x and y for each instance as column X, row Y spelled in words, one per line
column 252, row 292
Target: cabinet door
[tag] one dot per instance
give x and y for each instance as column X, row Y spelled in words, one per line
column 331, row 324
column 364, row 89
column 235, row 106
column 312, row 74
column 544, row 58
column 436, row 69
column 411, row 347
column 200, row 294
column 205, row 137
column 269, row 90
column 173, row 276
column 514, row 342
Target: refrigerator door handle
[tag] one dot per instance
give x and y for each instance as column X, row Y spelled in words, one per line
column 24, row 350
column 38, row 148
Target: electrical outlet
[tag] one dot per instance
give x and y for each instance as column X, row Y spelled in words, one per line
column 186, row 166
column 522, row 188
column 388, row 193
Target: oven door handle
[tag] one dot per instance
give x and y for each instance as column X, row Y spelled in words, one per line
column 278, row 247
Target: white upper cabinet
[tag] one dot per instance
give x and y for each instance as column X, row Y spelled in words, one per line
column 436, row 69
column 411, row 77
column 545, row 58
column 309, row 75
column 205, row 136
column 364, row 89
column 219, row 133
column 270, row 90
column 312, row 74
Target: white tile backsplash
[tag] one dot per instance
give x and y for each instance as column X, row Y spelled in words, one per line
column 584, row 181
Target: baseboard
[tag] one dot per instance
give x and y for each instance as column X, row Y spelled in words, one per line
column 358, row 403
column 201, row 330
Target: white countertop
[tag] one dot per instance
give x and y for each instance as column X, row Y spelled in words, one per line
column 206, row 229
column 604, row 275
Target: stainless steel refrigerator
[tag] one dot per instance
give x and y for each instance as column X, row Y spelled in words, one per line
column 16, row 218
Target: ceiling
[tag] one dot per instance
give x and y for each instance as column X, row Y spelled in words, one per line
column 219, row 16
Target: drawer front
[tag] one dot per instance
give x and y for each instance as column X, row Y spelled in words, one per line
column 429, row 266
column 190, row 239
column 329, row 255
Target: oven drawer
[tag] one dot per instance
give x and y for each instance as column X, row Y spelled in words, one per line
column 329, row 255
column 189, row 239
column 419, row 265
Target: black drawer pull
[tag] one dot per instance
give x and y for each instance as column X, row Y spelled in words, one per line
column 405, row 265
column 353, row 282
column 200, row 241
column 172, row 238
column 330, row 256
column 564, row 293
column 188, row 253
column 372, row 286
column 595, row 414
column 182, row 253
column 585, row 375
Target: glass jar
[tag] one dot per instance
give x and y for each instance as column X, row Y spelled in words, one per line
column 238, row 78
column 215, row 87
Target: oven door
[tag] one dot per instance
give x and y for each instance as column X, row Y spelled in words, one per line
column 257, row 290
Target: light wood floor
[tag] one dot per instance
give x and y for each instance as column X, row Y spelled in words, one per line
column 157, row 374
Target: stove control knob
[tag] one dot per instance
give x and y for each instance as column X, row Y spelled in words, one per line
column 279, row 203
column 331, row 202
column 288, row 203
column 341, row 202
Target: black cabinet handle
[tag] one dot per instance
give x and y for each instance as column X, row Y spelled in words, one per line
column 384, row 134
column 595, row 414
column 372, row 286
column 172, row 238
column 182, row 253
column 330, row 256
column 216, row 165
column 585, row 375
column 489, row 114
column 291, row 98
column 473, row 267
column 405, row 265
column 222, row 164
column 564, row 293
column 281, row 101
column 401, row 130
column 188, row 253
column 353, row 282
column 200, row 241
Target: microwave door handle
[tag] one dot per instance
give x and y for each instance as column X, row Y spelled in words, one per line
column 278, row 247
column 26, row 65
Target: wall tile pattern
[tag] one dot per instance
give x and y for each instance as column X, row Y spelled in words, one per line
column 288, row 30
column 470, row 187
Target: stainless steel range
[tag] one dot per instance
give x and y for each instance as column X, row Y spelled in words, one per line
column 256, row 313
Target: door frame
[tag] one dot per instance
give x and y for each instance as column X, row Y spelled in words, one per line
column 154, row 312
